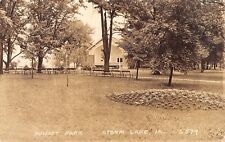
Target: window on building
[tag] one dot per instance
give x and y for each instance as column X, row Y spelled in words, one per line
column 120, row 60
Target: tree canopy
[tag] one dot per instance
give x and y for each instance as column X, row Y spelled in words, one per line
column 171, row 33
column 47, row 25
column 78, row 37
column 16, row 12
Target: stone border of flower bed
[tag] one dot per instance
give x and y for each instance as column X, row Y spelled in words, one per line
column 171, row 99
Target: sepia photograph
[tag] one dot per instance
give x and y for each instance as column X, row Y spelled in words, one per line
column 112, row 71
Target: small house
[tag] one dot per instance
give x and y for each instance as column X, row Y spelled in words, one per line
column 95, row 56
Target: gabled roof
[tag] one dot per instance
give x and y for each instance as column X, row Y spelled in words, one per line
column 94, row 45
column 113, row 40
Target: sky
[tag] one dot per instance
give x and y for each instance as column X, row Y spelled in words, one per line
column 91, row 17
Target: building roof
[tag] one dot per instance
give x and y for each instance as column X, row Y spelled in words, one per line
column 113, row 40
column 94, row 45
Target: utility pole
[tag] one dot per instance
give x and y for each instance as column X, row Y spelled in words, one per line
column 67, row 74
column 67, row 64
column 1, row 56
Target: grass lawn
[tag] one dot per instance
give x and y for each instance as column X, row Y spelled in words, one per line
column 45, row 110
column 212, row 75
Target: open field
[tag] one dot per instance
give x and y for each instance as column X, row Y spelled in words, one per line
column 31, row 109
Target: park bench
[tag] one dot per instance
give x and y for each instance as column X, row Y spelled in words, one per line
column 59, row 70
column 18, row 71
column 6, row 71
column 72, row 70
column 48, row 71
column 23, row 71
column 116, row 73
column 86, row 71
column 52, row 70
column 107, row 73
column 126, row 73
column 97, row 71
column 27, row 71
column 10, row 71
column 101, row 72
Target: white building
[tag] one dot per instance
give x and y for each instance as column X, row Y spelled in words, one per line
column 95, row 56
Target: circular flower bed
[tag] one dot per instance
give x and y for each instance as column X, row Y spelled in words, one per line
column 171, row 99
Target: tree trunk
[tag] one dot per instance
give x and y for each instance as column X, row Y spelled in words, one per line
column 110, row 36
column 102, row 26
column 207, row 65
column 9, row 53
column 106, row 39
column 198, row 67
column 202, row 66
column 137, row 66
column 1, row 56
column 106, row 48
column 171, row 76
column 2, row 38
column 137, row 73
column 106, row 64
column 214, row 65
column 220, row 65
column 7, row 65
column 40, row 62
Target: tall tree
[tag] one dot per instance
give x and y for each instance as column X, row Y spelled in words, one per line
column 5, row 25
column 168, row 32
column 15, row 10
column 108, row 10
column 47, row 23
